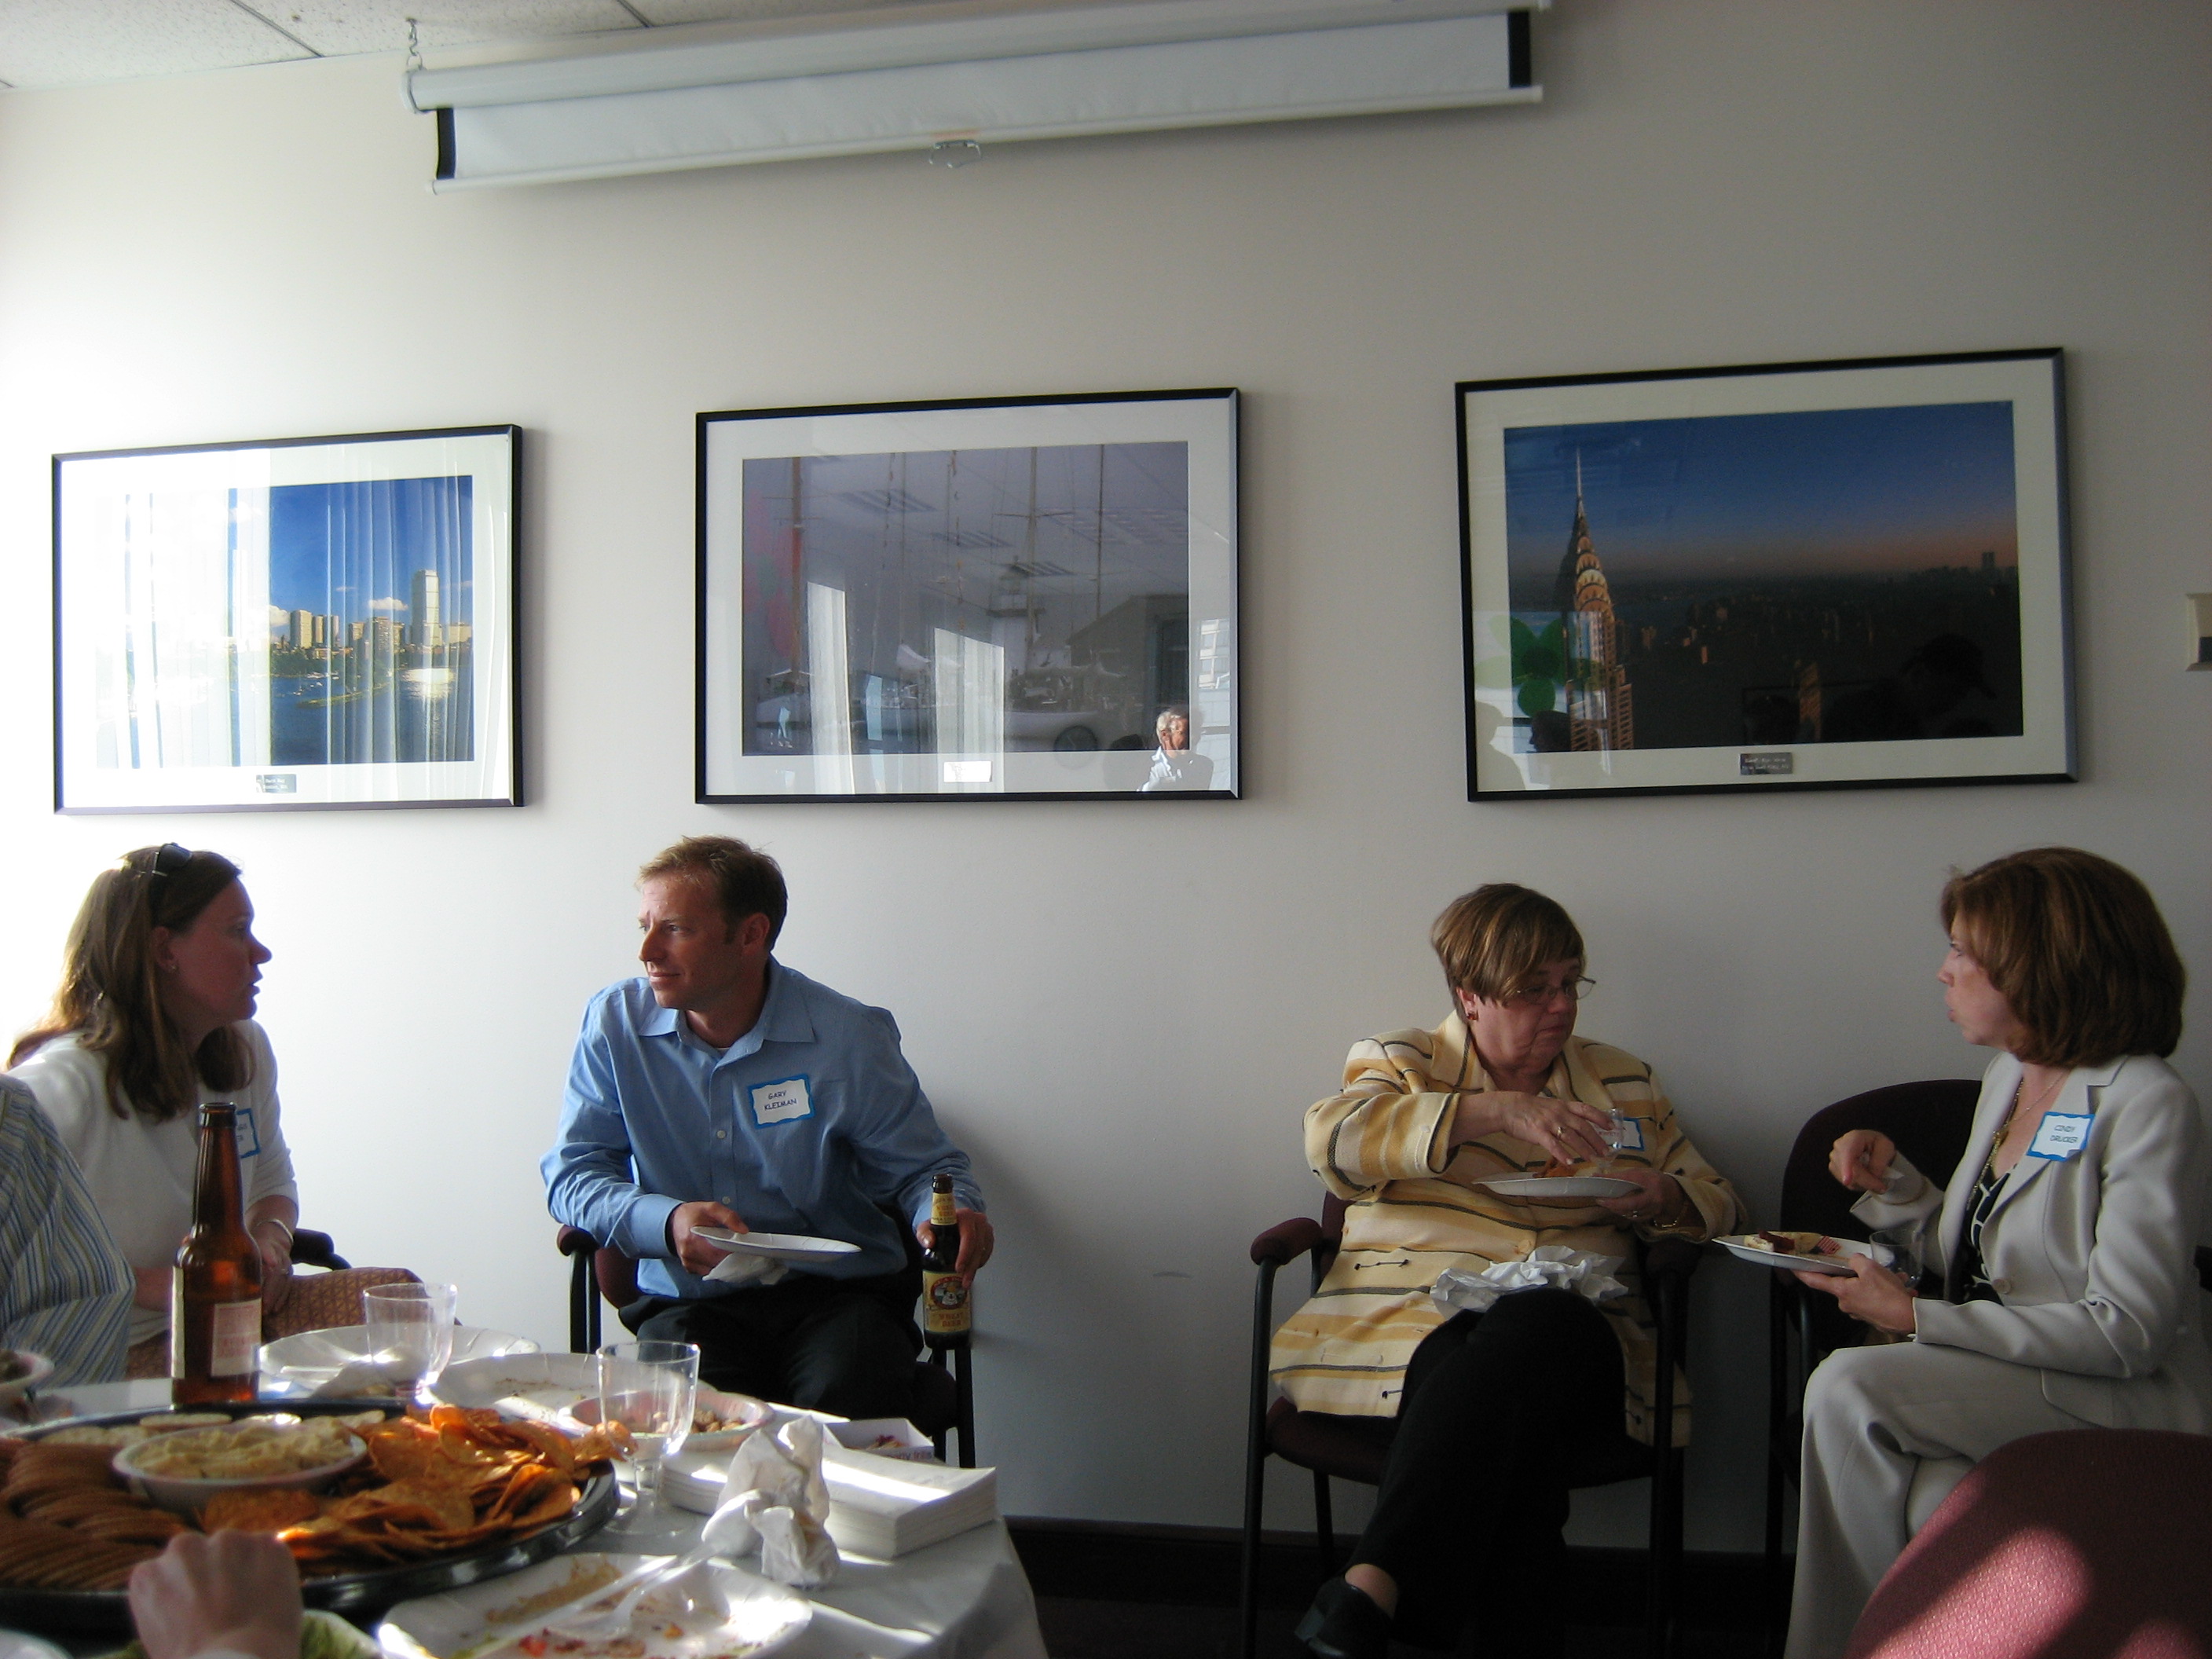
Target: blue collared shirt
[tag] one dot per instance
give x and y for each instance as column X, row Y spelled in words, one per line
column 804, row 1125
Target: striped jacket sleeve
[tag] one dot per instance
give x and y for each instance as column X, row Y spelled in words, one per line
column 1391, row 1123
column 64, row 1290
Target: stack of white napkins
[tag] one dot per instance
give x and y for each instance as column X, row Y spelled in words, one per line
column 885, row 1506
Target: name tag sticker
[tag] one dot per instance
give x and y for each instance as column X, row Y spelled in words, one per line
column 2061, row 1135
column 1631, row 1134
column 780, row 1102
column 249, row 1137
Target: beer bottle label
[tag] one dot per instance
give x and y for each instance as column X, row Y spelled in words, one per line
column 945, row 1309
column 234, row 1335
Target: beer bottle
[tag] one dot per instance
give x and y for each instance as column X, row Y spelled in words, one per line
column 214, row 1305
column 944, row 1311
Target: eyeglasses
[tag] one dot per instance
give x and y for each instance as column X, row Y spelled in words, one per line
column 1535, row 996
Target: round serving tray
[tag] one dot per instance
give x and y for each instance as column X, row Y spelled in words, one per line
column 355, row 1595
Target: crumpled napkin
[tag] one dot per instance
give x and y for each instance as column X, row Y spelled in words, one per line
column 775, row 1501
column 1549, row 1267
column 741, row 1268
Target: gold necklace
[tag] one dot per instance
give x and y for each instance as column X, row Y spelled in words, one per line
column 2043, row 1096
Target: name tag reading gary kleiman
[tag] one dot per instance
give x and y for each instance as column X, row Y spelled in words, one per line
column 2061, row 1135
column 780, row 1102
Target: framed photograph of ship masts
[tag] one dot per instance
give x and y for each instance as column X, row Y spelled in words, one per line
column 301, row 623
column 1789, row 575
column 1012, row 598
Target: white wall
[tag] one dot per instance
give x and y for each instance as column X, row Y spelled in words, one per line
column 1122, row 1012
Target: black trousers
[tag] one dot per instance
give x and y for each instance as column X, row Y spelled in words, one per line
column 843, row 1345
column 1499, row 1408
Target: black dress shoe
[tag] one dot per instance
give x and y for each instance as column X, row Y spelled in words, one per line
column 1343, row 1623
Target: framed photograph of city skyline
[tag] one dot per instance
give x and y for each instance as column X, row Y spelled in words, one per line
column 1789, row 575
column 299, row 623
column 1029, row 599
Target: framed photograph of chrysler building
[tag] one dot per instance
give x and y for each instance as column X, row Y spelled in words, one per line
column 303, row 622
column 1843, row 574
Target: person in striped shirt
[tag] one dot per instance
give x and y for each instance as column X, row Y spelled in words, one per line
column 1483, row 1414
column 64, row 1290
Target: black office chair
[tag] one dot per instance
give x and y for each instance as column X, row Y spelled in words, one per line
column 1319, row 1442
column 944, row 1391
column 1930, row 1122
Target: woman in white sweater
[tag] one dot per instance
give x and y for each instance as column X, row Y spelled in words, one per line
column 154, row 1016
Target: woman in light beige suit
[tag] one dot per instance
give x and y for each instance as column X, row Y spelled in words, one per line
column 2066, row 1239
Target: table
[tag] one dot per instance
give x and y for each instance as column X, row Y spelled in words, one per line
column 966, row 1598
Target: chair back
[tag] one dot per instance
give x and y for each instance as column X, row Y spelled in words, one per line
column 1929, row 1122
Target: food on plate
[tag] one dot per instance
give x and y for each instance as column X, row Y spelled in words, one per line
column 116, row 1435
column 1795, row 1244
column 258, row 1508
column 254, row 1447
column 706, row 1420
column 429, row 1485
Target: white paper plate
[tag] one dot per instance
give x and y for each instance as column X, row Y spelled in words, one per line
column 749, row 1413
column 1560, row 1186
column 778, row 1246
column 543, row 1385
column 740, row 1614
column 15, row 1389
column 1744, row 1247
column 14, row 1645
column 313, row 1358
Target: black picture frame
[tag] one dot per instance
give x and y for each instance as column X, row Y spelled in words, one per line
column 1849, row 574
column 1018, row 598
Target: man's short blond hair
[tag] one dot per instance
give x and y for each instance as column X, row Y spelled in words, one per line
column 744, row 881
column 1493, row 941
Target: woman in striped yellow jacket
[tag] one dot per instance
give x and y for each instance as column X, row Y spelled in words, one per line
column 1483, row 1412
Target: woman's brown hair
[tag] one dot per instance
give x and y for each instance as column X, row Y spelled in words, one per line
column 2076, row 946
column 110, row 993
column 1491, row 941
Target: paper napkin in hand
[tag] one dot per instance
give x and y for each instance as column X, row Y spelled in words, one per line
column 738, row 1267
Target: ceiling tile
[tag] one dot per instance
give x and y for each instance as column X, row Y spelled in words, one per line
column 336, row 27
column 62, row 43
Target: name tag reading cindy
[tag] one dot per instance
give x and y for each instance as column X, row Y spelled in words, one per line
column 780, row 1102
column 2061, row 1135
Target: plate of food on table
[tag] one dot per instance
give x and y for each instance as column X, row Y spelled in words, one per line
column 558, row 1609
column 1803, row 1252
column 376, row 1504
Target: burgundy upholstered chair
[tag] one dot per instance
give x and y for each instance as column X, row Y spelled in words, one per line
column 2086, row 1544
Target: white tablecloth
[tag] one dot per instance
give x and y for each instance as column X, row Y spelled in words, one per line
column 966, row 1598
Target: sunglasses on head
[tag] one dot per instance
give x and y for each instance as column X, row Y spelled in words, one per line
column 169, row 859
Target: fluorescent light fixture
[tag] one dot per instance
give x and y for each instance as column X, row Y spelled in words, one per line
column 768, row 93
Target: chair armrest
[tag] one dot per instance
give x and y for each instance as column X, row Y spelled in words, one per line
column 574, row 1241
column 312, row 1250
column 1287, row 1240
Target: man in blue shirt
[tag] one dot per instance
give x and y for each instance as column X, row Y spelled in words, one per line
column 725, row 1091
